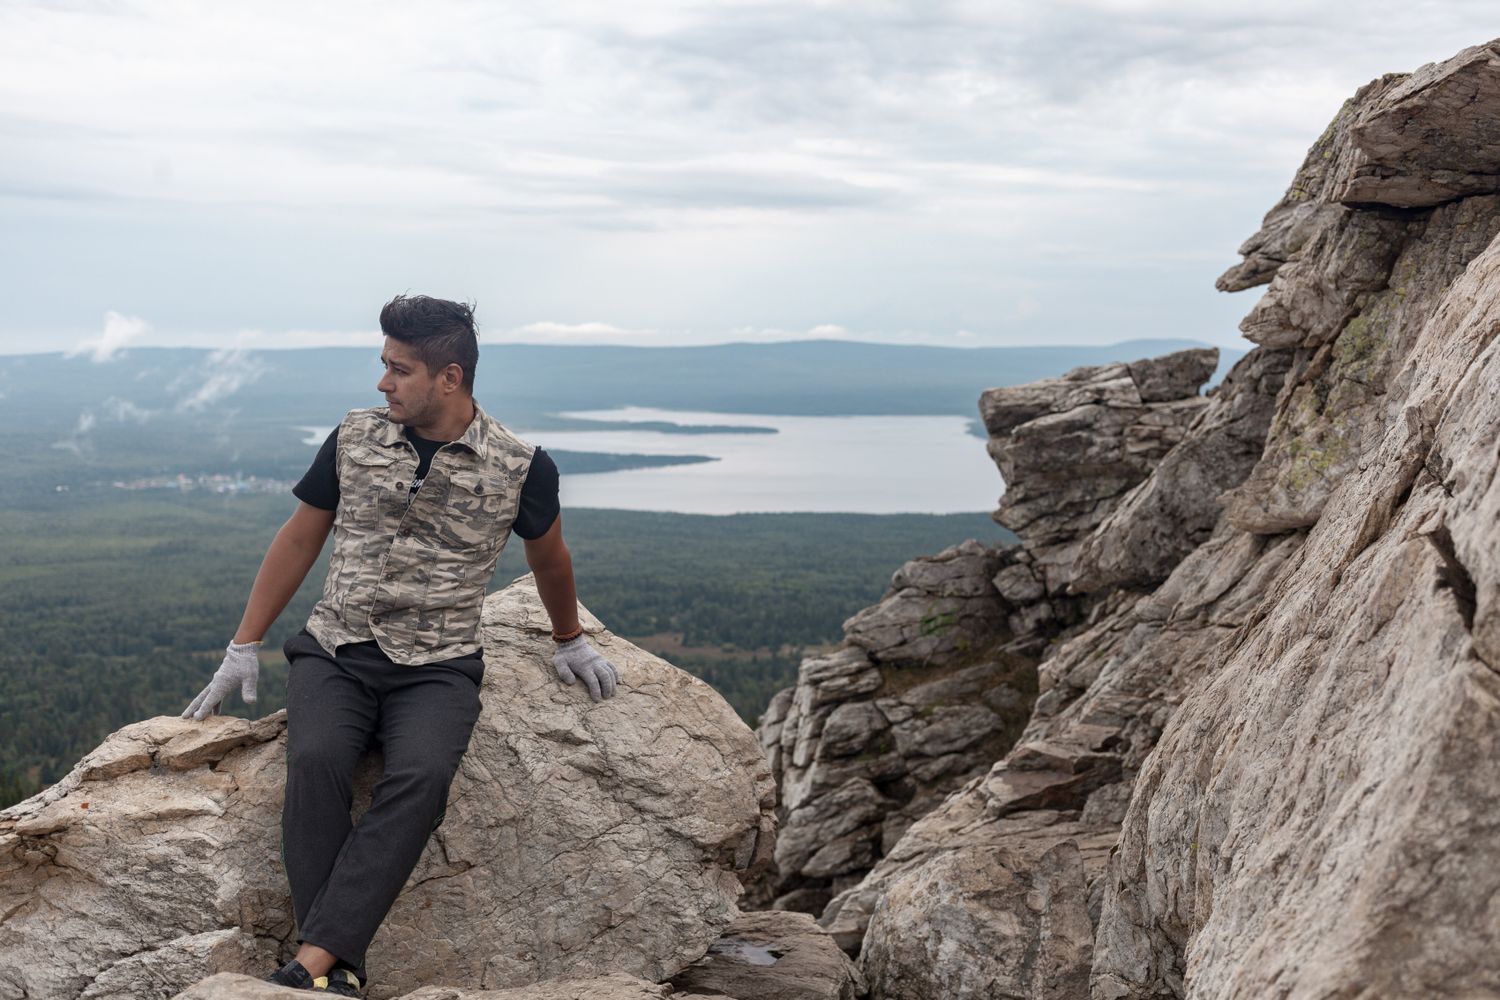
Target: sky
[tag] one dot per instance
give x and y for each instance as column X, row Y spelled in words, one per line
column 950, row 173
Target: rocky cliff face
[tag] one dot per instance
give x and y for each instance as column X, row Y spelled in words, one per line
column 1260, row 761
column 1319, row 815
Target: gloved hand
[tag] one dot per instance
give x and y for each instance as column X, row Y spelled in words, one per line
column 241, row 667
column 576, row 658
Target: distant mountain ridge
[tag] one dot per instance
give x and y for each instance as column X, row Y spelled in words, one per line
column 523, row 381
column 155, row 411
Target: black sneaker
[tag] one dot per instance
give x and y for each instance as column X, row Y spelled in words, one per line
column 292, row 974
column 339, row 982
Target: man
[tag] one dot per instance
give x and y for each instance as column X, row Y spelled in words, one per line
column 421, row 496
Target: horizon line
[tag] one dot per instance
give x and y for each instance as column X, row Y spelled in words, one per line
column 64, row 353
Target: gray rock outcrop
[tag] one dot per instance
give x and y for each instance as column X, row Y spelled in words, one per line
column 935, row 682
column 580, row 839
column 1069, row 448
column 1173, row 511
column 872, row 735
column 1346, row 843
column 1268, row 775
column 934, row 609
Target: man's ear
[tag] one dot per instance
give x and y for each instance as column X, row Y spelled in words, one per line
column 452, row 377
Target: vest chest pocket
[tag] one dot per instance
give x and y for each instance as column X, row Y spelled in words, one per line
column 365, row 484
column 475, row 504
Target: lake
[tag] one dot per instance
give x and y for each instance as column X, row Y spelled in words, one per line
column 872, row 465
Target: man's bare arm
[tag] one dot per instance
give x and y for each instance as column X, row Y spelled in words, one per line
column 552, row 564
column 291, row 554
column 575, row 659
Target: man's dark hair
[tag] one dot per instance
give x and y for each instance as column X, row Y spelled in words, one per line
column 442, row 333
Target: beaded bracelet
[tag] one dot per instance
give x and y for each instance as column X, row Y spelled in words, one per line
column 566, row 636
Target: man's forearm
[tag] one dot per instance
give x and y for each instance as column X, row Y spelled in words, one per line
column 281, row 573
column 575, row 659
column 554, row 585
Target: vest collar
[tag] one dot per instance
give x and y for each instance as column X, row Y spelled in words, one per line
column 475, row 437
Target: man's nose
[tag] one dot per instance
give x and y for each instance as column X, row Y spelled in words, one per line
column 384, row 384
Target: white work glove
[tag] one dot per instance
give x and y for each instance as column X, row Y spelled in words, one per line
column 576, row 658
column 241, row 668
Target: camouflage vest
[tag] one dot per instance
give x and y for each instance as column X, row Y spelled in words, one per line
column 413, row 577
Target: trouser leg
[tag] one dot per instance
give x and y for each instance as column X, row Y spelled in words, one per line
column 426, row 716
column 331, row 715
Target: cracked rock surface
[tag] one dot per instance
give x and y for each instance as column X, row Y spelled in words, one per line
column 1263, row 767
column 579, row 839
column 1318, row 816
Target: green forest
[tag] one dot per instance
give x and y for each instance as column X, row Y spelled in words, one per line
column 118, row 606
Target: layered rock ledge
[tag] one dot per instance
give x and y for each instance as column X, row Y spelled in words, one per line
column 936, row 681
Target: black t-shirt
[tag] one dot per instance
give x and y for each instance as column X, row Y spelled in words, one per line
column 319, row 487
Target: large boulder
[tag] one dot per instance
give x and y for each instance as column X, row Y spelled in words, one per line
column 579, row 839
column 1431, row 138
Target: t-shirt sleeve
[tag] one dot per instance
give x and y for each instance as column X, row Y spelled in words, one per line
column 319, row 486
column 539, row 503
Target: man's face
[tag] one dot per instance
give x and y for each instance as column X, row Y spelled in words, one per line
column 410, row 391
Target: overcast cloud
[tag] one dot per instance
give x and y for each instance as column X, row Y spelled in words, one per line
column 959, row 173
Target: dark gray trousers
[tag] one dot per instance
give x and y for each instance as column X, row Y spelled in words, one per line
column 345, row 877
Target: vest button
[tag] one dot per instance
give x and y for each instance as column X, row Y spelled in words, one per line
column 377, row 620
column 404, row 532
column 400, row 486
